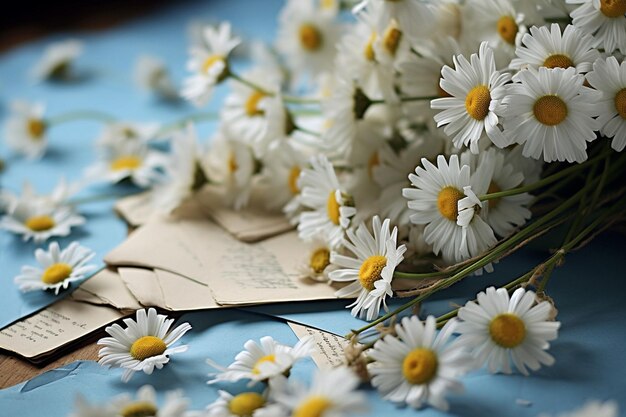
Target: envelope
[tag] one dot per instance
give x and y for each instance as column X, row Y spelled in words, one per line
column 237, row 273
column 106, row 288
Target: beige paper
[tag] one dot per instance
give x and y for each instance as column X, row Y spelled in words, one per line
column 236, row 272
column 181, row 293
column 136, row 209
column 250, row 224
column 329, row 348
column 106, row 287
column 55, row 326
column 143, row 285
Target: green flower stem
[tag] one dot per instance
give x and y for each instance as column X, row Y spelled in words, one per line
column 425, row 275
column 286, row 98
column 406, row 99
column 80, row 115
column 179, row 124
column 308, row 131
column 95, row 198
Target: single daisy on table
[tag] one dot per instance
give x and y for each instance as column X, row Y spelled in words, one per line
column 307, row 37
column 40, row 217
column 333, row 393
column 57, row 268
column 331, row 207
column 57, row 60
column 25, row 129
column 609, row 77
column 245, row 404
column 371, row 270
column 551, row 113
column 499, row 330
column 549, row 48
column 436, row 202
column 146, row 404
column 132, row 160
column 230, row 163
column 418, row 366
column 183, row 172
column 145, row 344
column 209, row 65
column 475, row 89
column 151, row 75
column 591, row 409
column 262, row 362
column 605, row 20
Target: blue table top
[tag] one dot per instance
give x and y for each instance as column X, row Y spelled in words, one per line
column 588, row 289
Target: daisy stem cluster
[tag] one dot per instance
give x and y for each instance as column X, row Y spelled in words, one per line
column 549, row 220
column 179, row 124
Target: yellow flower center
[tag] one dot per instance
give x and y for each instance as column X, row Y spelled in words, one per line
column 477, row 102
column 56, row 273
column 147, row 347
column 266, row 358
column 550, row 110
column 310, row 37
column 558, row 61
column 373, row 162
column 368, row 51
column 314, row 406
column 328, row 4
column 232, row 163
column 391, row 39
column 139, row 409
column 252, row 104
column 246, row 403
column 320, row 259
column 332, row 208
column 507, row 330
column 36, row 128
column 125, row 162
column 208, row 63
column 613, row 8
column 294, row 174
column 40, row 223
column 507, row 28
column 493, row 188
column 420, row 366
column 447, row 202
column 620, row 103
column 371, row 270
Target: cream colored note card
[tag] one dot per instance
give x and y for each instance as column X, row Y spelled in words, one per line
column 329, row 348
column 250, row 224
column 142, row 283
column 236, row 272
column 106, row 287
column 54, row 327
column 136, row 209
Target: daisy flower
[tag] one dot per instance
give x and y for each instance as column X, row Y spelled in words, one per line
column 371, row 270
column 129, row 160
column 40, row 217
column 282, row 166
column 331, row 207
column 605, row 20
column 151, row 75
column 25, row 129
column 475, row 88
column 549, row 48
column 146, row 404
column 418, row 366
column 307, row 37
column 116, row 133
column 261, row 362
column 230, row 163
column 592, row 409
column 499, row 330
column 57, row 268
column 244, row 404
column 184, row 174
column 57, row 60
column 209, row 65
column 145, row 343
column 436, row 201
column 333, row 393
column 551, row 113
column 414, row 17
column 609, row 77
column 317, row 265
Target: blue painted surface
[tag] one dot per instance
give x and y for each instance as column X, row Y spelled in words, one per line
column 589, row 288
